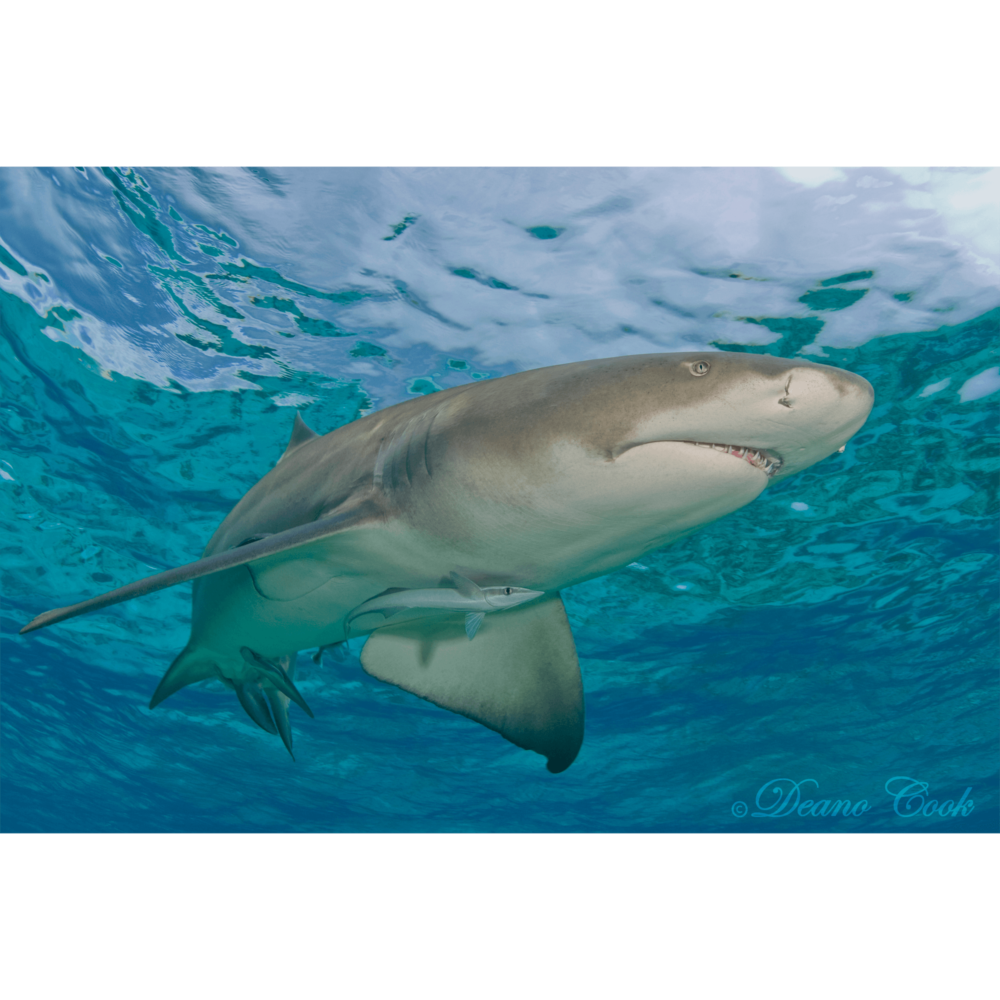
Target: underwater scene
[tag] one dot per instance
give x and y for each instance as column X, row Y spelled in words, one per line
column 823, row 659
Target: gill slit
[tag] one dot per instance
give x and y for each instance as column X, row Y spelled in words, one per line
column 379, row 463
column 427, row 436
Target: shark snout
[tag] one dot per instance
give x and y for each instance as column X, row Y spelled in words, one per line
column 819, row 384
column 822, row 408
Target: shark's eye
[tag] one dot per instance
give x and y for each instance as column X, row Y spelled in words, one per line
column 700, row 368
column 507, row 590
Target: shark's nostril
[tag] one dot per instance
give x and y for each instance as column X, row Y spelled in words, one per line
column 786, row 400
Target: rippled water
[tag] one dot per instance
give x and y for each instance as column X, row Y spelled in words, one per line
column 161, row 328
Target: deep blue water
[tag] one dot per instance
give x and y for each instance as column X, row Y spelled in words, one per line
column 161, row 327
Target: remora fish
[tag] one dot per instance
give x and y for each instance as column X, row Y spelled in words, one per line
column 475, row 601
column 538, row 480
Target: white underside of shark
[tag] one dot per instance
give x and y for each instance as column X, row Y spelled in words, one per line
column 446, row 526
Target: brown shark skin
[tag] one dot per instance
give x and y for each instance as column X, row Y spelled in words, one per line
column 492, row 442
column 496, row 472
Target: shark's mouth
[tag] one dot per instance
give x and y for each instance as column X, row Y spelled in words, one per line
column 759, row 458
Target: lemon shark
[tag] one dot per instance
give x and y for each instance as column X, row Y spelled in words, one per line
column 446, row 526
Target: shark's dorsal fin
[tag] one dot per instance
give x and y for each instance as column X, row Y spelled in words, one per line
column 267, row 545
column 301, row 433
column 520, row 678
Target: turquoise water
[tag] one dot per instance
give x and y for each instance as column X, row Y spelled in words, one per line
column 834, row 640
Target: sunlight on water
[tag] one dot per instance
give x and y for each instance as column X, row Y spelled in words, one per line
column 162, row 327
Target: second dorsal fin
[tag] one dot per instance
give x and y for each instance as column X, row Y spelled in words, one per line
column 300, row 434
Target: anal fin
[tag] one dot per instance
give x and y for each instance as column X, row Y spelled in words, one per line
column 520, row 678
column 191, row 666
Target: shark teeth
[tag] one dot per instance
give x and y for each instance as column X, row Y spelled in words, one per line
column 768, row 464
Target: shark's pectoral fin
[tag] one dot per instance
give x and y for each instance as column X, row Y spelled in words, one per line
column 191, row 666
column 521, row 676
column 261, row 548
